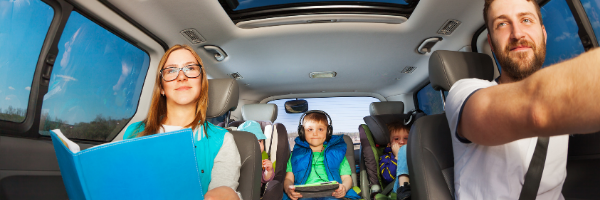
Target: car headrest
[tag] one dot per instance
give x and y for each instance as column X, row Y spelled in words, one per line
column 378, row 126
column 260, row 112
column 447, row 67
column 223, row 96
column 387, row 107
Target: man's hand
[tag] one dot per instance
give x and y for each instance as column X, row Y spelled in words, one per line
column 395, row 148
column 291, row 192
column 340, row 192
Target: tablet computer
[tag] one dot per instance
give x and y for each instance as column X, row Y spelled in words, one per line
column 323, row 189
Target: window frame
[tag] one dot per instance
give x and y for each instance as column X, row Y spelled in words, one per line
column 29, row 128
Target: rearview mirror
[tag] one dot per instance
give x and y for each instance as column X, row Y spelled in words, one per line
column 296, row 106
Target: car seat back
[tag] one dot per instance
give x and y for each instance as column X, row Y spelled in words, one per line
column 374, row 138
column 223, row 95
column 276, row 144
column 430, row 154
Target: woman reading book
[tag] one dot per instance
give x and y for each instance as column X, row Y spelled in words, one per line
column 180, row 100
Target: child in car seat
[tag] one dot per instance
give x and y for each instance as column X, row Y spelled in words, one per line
column 393, row 164
column 268, row 167
column 318, row 156
column 393, row 161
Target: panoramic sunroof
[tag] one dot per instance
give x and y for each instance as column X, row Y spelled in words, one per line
column 245, row 10
column 246, row 4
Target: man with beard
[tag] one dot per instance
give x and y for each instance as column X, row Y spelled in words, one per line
column 495, row 125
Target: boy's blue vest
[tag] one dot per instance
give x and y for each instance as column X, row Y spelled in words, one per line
column 206, row 149
column 334, row 154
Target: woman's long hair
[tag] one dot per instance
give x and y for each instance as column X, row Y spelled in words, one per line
column 158, row 107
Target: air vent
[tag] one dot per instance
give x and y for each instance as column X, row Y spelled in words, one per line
column 408, row 70
column 449, row 27
column 193, row 36
column 236, row 76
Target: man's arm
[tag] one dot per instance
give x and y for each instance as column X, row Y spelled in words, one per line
column 560, row 99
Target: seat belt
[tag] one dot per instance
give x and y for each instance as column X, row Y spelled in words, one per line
column 533, row 177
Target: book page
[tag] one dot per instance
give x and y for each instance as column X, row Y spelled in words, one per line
column 70, row 144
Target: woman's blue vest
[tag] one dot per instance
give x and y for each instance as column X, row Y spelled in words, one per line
column 334, row 154
column 206, row 149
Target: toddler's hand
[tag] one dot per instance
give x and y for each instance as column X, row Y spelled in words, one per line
column 267, row 165
column 340, row 192
column 395, row 148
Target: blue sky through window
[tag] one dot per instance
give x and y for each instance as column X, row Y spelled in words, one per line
column 245, row 4
column 23, row 27
column 96, row 74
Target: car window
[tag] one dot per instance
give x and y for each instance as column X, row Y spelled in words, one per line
column 592, row 9
column 346, row 114
column 23, row 28
column 563, row 39
column 95, row 84
column 430, row 101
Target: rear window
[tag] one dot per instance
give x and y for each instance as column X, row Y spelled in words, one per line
column 346, row 114
column 95, row 84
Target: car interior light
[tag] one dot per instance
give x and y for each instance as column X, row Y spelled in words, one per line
column 322, row 74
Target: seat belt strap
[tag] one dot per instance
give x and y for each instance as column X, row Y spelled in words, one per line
column 533, row 177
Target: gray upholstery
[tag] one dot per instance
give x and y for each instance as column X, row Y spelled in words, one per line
column 350, row 158
column 447, row 67
column 223, row 96
column 378, row 126
column 274, row 188
column 259, row 112
column 280, row 148
column 386, row 107
column 431, row 159
column 251, row 170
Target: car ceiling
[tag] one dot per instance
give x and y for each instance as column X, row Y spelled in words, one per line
column 277, row 60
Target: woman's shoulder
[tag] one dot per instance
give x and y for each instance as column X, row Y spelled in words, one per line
column 133, row 129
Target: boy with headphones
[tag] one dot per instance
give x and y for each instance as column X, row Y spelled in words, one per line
column 318, row 156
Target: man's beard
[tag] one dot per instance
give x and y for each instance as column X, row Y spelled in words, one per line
column 518, row 65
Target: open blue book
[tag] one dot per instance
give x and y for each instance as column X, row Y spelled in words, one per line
column 161, row 166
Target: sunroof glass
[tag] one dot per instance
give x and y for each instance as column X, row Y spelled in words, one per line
column 247, row 4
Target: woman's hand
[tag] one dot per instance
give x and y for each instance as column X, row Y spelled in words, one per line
column 340, row 192
column 291, row 192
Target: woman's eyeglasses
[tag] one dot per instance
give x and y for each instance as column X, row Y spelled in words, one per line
column 190, row 71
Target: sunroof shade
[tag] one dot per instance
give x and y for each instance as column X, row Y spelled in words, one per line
column 246, row 4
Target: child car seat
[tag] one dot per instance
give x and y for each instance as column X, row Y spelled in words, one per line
column 374, row 137
column 276, row 144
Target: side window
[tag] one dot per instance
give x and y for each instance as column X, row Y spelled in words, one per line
column 592, row 9
column 23, row 28
column 346, row 114
column 563, row 41
column 430, row 101
column 96, row 82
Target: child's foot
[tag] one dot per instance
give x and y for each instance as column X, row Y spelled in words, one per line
column 403, row 192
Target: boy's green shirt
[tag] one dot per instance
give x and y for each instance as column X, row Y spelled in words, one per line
column 317, row 170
